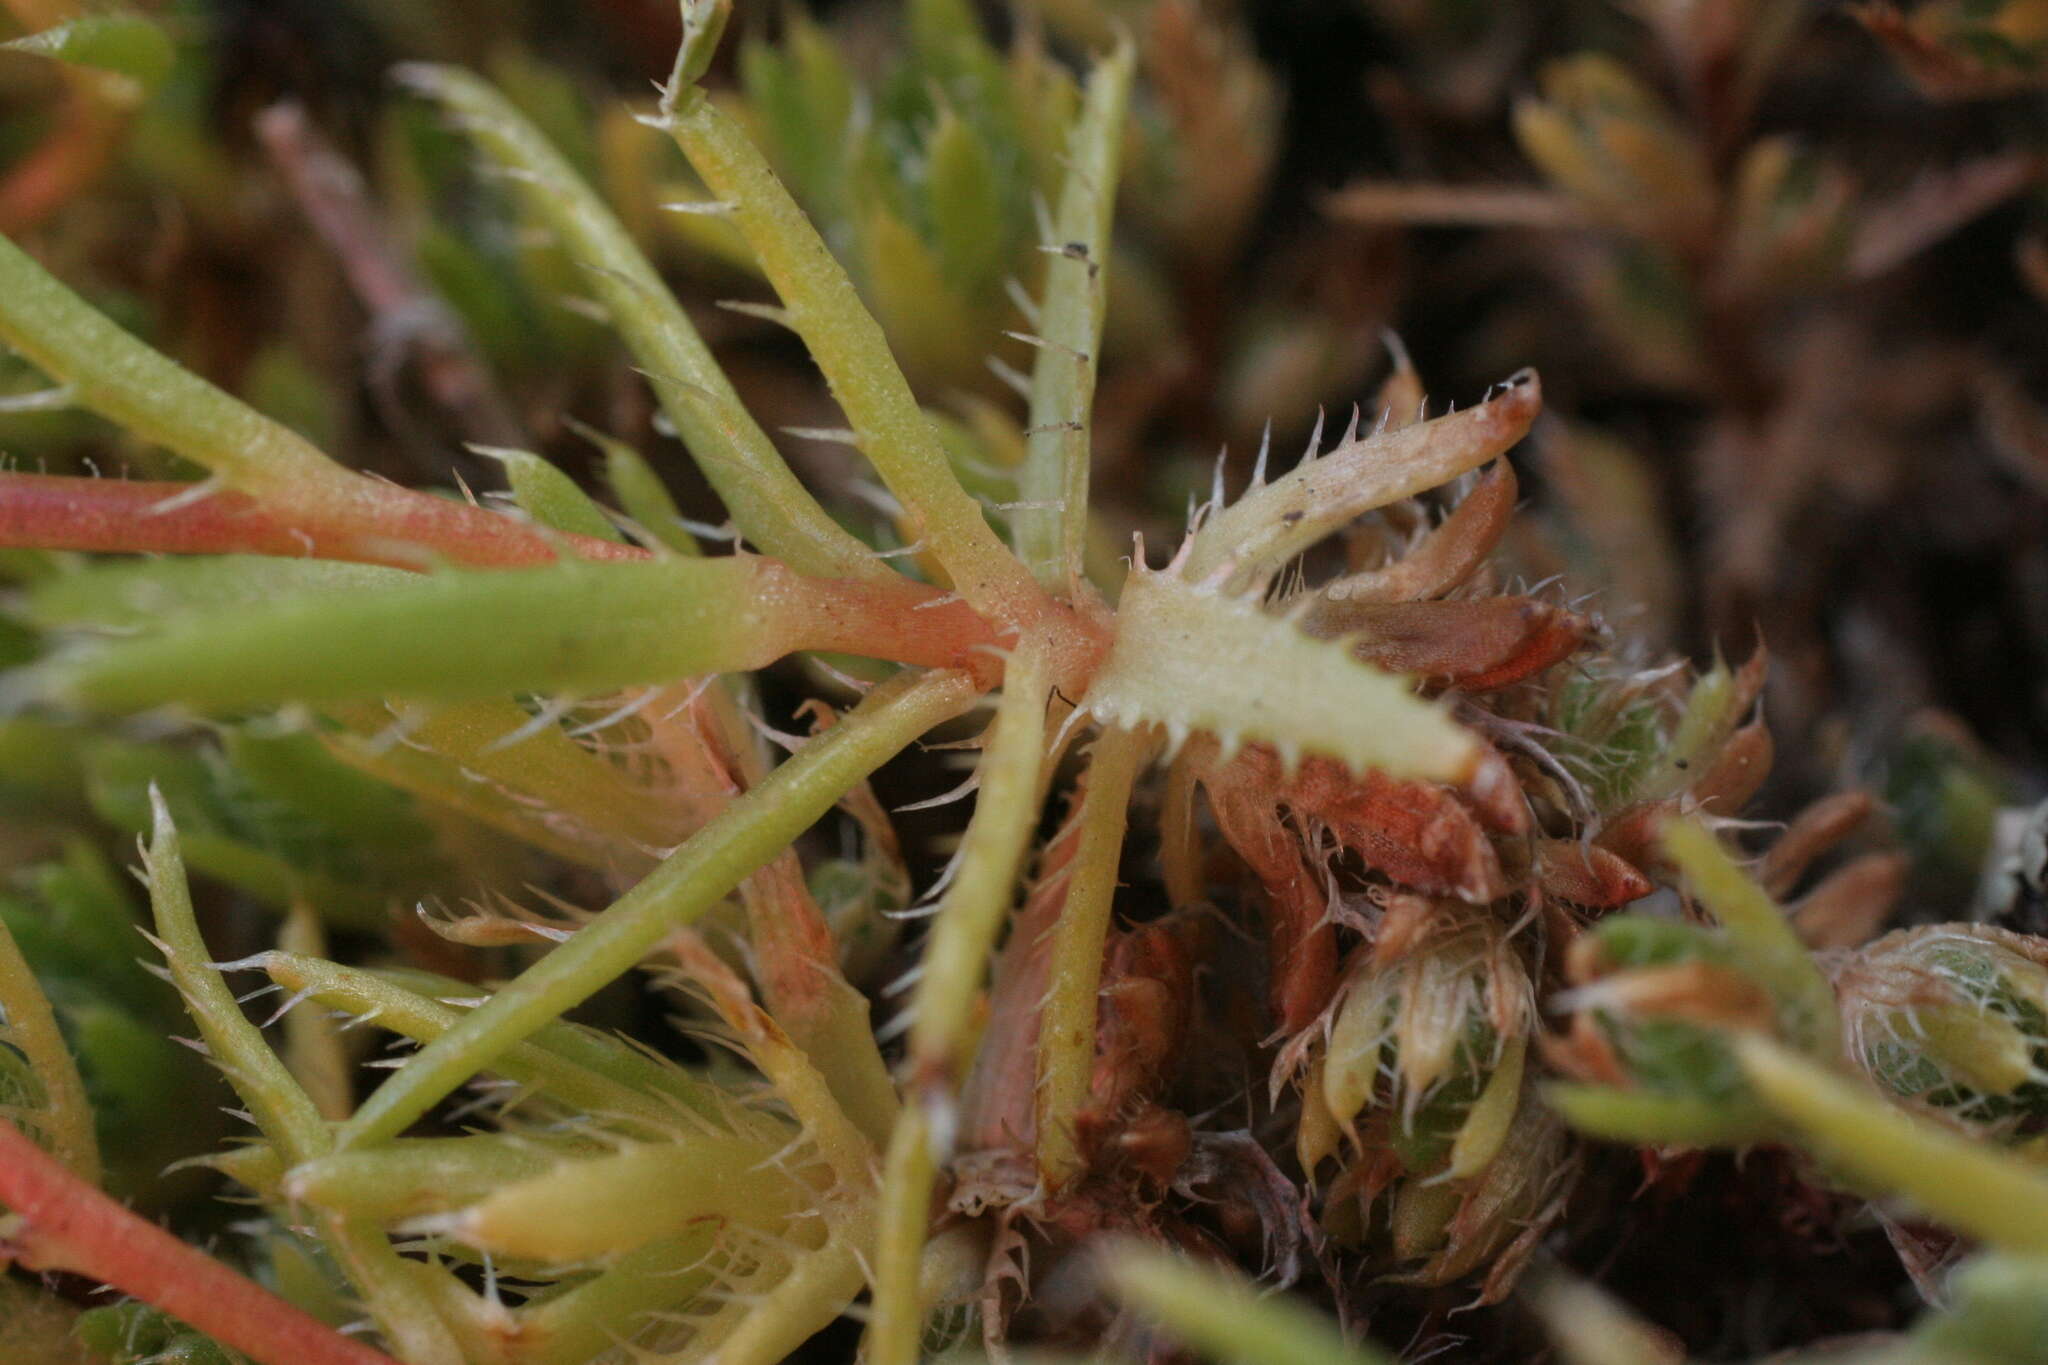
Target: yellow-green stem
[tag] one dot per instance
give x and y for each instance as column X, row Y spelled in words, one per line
column 1051, row 528
column 1961, row 1181
column 896, row 1322
column 406, row 1314
column 850, row 348
column 969, row 920
column 765, row 499
column 65, row 1118
column 1066, row 1028
column 697, row 876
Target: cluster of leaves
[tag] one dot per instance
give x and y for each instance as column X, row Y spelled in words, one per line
column 1436, row 801
column 1765, row 232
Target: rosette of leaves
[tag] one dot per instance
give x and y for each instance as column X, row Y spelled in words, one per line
column 923, row 182
column 554, row 675
column 929, row 175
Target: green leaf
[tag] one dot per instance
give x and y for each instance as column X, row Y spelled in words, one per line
column 133, row 1333
column 756, row 827
column 764, row 497
column 279, row 818
column 1178, row 661
column 551, row 497
column 1051, row 530
column 1223, row 1317
column 852, row 351
column 131, row 595
column 970, row 223
column 1651, row 1119
column 570, row 626
column 113, row 374
column 1998, row 1314
column 127, row 45
column 1762, row 940
column 640, row 493
column 1959, row 1181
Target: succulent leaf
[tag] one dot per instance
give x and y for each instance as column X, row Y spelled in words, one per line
column 1177, row 662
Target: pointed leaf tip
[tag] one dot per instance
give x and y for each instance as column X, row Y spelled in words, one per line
column 125, row 45
column 703, row 25
column 1177, row 661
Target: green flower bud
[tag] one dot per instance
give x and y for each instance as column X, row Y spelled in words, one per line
column 1429, row 1045
column 1953, row 1018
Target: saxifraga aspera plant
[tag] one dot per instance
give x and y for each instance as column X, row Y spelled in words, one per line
column 1421, row 822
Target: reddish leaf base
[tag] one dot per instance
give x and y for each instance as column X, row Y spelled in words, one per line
column 66, row 1224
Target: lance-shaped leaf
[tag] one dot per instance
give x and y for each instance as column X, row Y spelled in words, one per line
column 125, row 45
column 111, row 373
column 845, row 341
column 1048, row 531
column 274, row 490
column 1762, row 941
column 1270, row 525
column 1180, row 661
column 570, row 627
column 131, row 595
column 574, row 1066
column 549, row 496
column 399, row 1300
column 279, row 819
column 1963, row 1182
column 765, row 499
column 590, row 1207
column 60, row 1115
column 756, row 827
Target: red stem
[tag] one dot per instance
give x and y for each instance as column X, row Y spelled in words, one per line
column 72, row 1226
column 361, row 520
column 890, row 618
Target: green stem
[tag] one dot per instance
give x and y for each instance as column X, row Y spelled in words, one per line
column 1961, row 1181
column 1066, row 1029
column 113, row 374
column 283, row 1110
column 534, row 1063
column 572, row 626
column 1049, row 531
column 65, row 1118
column 769, row 506
column 849, row 346
column 970, row 917
column 693, row 879
column 964, row 932
column 896, row 1320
